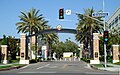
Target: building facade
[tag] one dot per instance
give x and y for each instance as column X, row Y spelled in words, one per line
column 114, row 20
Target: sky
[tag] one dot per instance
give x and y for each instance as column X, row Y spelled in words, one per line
column 10, row 10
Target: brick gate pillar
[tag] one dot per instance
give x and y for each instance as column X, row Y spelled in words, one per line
column 4, row 54
column 95, row 49
column 81, row 49
column 115, row 53
column 23, row 51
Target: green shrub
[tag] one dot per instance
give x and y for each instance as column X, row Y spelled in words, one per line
column 86, row 60
column 14, row 61
column 39, row 60
column 101, row 58
column 9, row 59
column 33, row 61
column 109, row 59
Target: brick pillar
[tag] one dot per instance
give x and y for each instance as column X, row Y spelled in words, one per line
column 23, row 56
column 81, row 48
column 95, row 49
column 4, row 54
column 115, row 53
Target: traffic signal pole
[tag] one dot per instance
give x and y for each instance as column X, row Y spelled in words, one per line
column 105, row 54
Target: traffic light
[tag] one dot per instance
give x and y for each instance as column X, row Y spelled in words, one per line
column 105, row 36
column 61, row 13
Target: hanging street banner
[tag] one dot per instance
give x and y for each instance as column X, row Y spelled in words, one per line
column 100, row 14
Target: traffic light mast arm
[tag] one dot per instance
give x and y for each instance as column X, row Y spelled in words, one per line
column 88, row 17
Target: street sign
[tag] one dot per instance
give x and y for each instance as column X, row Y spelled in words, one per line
column 102, row 14
column 68, row 12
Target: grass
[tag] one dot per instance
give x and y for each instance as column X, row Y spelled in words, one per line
column 1, row 67
column 118, row 63
column 13, row 65
column 99, row 65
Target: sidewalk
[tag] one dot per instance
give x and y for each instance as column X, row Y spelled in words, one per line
column 7, row 64
column 114, row 67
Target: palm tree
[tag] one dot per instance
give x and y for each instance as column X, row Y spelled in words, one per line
column 50, row 39
column 88, row 26
column 31, row 22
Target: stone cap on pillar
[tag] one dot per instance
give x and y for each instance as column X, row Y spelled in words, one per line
column 4, row 46
column 115, row 45
column 81, row 44
column 95, row 35
column 22, row 35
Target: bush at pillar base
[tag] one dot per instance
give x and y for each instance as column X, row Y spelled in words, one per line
column 24, row 62
column 94, row 61
column 4, row 61
column 115, row 61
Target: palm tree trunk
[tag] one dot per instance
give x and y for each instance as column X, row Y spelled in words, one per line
column 91, row 43
column 49, row 49
column 30, row 43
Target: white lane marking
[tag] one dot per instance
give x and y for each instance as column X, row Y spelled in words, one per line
column 53, row 67
column 37, row 72
column 43, row 66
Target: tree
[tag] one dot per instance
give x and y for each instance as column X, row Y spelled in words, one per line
column 4, row 40
column 31, row 22
column 58, row 49
column 88, row 26
column 67, row 46
column 13, row 46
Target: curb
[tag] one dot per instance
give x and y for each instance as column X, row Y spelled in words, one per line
column 92, row 66
column 14, row 67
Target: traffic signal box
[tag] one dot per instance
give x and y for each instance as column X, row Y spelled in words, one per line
column 61, row 13
column 105, row 36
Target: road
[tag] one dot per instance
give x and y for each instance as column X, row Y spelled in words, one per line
column 57, row 68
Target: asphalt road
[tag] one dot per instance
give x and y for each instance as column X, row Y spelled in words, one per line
column 57, row 68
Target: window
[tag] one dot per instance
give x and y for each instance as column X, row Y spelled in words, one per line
column 116, row 25
column 96, row 54
column 112, row 22
column 119, row 16
column 116, row 20
column 110, row 25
